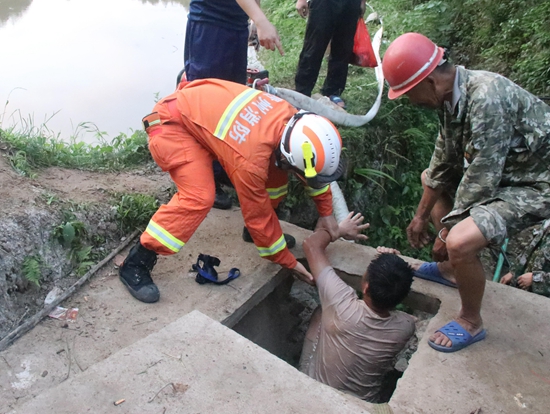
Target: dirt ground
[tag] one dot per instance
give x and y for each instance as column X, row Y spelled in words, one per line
column 31, row 210
column 108, row 317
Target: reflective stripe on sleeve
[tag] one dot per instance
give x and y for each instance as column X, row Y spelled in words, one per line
column 163, row 237
column 275, row 193
column 274, row 248
column 313, row 192
column 232, row 110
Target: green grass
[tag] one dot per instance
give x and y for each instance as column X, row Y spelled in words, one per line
column 134, row 210
column 386, row 156
column 32, row 149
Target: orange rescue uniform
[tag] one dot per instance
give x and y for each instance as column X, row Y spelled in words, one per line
column 241, row 127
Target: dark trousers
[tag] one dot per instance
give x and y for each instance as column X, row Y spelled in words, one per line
column 215, row 52
column 334, row 22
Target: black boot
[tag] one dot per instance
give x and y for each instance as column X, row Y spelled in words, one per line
column 222, row 200
column 290, row 240
column 135, row 273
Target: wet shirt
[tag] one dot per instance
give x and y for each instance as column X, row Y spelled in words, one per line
column 536, row 259
column 356, row 347
column 224, row 13
column 497, row 140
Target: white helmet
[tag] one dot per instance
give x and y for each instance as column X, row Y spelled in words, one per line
column 312, row 144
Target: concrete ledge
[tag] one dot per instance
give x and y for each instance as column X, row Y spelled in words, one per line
column 110, row 319
column 508, row 372
column 213, row 370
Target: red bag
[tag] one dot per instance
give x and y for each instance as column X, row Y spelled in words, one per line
column 363, row 54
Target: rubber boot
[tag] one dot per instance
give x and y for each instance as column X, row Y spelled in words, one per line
column 290, row 240
column 222, row 200
column 135, row 273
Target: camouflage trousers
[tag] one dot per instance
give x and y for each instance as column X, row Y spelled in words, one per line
column 536, row 259
column 498, row 220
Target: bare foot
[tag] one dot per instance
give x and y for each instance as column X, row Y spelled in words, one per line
column 439, row 338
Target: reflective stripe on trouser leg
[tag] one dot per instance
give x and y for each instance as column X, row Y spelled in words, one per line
column 164, row 237
column 275, row 193
column 276, row 247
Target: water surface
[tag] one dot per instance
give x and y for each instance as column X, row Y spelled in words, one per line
column 102, row 62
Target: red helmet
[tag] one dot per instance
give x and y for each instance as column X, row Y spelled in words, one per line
column 409, row 59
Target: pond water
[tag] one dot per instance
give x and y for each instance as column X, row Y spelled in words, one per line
column 98, row 62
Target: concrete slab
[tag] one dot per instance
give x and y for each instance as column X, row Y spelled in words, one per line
column 506, row 373
column 110, row 319
column 212, row 369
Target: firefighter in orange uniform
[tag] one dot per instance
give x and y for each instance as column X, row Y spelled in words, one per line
column 258, row 139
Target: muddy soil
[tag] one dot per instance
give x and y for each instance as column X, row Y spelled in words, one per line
column 30, row 212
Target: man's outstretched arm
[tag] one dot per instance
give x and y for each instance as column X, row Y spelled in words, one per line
column 267, row 33
column 314, row 246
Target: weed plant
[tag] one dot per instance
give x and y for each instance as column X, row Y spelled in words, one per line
column 31, row 270
column 134, row 211
column 71, row 233
column 30, row 149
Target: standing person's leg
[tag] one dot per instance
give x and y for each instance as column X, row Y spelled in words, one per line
column 341, row 48
column 442, row 207
column 320, row 25
column 174, row 223
column 487, row 225
column 464, row 242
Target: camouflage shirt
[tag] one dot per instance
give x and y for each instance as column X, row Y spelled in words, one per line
column 495, row 143
column 536, row 259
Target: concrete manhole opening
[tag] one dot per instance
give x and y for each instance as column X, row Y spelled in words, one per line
column 279, row 322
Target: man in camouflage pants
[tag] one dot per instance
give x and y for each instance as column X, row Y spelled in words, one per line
column 532, row 268
column 489, row 176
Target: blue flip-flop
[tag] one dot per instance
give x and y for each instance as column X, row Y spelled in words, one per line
column 430, row 271
column 335, row 99
column 460, row 337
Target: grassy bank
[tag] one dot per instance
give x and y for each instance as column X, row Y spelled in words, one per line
column 29, row 150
